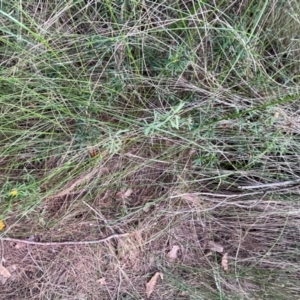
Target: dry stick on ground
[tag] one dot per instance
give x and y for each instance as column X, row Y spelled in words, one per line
column 270, row 185
column 113, row 236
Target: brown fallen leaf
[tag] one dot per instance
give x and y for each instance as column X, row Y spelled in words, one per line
column 12, row 270
column 224, row 262
column 214, row 247
column 128, row 193
column 172, row 255
column 102, row 281
column 4, row 272
column 123, row 194
column 151, row 284
column 3, row 280
column 93, row 152
column 20, row 245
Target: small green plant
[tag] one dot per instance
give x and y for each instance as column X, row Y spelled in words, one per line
column 165, row 120
column 19, row 196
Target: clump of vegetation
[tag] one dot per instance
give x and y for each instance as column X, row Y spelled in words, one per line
column 171, row 123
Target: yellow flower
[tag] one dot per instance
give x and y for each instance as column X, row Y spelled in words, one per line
column 14, row 192
column 2, row 225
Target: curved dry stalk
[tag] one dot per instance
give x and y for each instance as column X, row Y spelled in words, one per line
column 28, row 242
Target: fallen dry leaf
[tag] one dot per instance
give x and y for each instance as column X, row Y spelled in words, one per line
column 172, row 255
column 128, row 193
column 102, row 281
column 3, row 280
column 11, row 269
column 4, row 272
column 151, row 284
column 224, row 262
column 214, row 247
column 123, row 194
column 20, row 245
column 93, row 152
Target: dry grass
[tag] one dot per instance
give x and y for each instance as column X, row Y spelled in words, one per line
column 171, row 124
column 255, row 248
column 259, row 233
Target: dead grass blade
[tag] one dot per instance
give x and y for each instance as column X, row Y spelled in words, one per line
column 190, row 197
column 83, row 178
